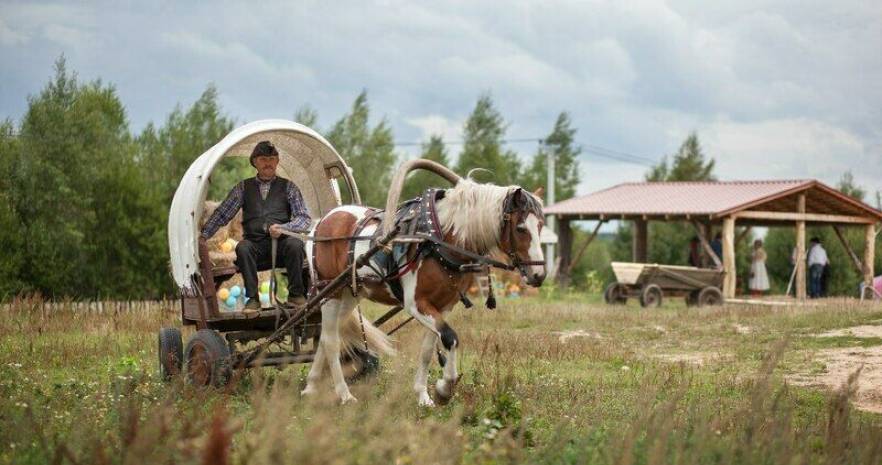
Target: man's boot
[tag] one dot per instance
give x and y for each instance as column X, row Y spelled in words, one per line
column 252, row 307
column 296, row 302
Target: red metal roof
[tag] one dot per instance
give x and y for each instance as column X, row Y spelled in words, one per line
column 686, row 198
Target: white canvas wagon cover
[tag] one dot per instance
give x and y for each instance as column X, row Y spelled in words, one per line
column 305, row 157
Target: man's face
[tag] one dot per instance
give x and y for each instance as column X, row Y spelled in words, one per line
column 266, row 166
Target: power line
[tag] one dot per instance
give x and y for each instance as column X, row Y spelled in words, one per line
column 461, row 142
column 588, row 149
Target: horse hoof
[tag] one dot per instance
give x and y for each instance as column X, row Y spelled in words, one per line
column 426, row 401
column 443, row 389
column 348, row 399
column 307, row 392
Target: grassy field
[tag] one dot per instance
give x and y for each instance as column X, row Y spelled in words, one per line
column 567, row 380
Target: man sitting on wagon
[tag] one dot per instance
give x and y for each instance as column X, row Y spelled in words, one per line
column 269, row 203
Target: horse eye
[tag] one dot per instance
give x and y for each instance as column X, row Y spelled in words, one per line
column 521, row 228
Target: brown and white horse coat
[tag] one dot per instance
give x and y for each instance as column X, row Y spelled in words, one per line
column 481, row 218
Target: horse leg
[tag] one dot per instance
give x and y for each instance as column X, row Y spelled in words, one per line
column 444, row 386
column 450, row 341
column 330, row 340
column 315, row 372
column 430, row 317
column 422, row 373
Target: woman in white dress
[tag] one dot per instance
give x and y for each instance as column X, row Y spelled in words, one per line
column 759, row 278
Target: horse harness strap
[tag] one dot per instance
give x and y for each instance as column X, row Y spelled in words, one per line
column 421, row 236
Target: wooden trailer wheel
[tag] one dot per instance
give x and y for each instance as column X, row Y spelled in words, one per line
column 651, row 296
column 615, row 294
column 710, row 295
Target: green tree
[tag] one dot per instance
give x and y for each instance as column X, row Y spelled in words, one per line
column 77, row 193
column 166, row 152
column 420, row 181
column 307, row 116
column 688, row 164
column 566, row 165
column 11, row 231
column 848, row 187
column 483, row 133
column 368, row 151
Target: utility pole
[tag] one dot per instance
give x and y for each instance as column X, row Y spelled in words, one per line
column 549, row 221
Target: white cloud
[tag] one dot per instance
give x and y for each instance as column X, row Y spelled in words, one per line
column 791, row 148
column 774, row 89
column 9, row 36
column 432, row 125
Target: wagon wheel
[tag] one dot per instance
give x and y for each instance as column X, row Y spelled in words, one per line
column 615, row 294
column 709, row 295
column 651, row 296
column 207, row 356
column 171, row 353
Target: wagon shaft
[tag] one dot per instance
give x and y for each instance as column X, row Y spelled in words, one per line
column 315, row 302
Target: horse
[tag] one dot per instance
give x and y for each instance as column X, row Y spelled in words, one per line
column 474, row 220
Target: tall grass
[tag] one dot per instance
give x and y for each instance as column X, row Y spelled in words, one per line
column 79, row 386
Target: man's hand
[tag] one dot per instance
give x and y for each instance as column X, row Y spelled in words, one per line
column 275, row 231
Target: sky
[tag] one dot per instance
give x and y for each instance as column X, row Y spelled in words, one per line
column 774, row 89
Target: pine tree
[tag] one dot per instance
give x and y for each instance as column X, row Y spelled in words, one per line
column 848, row 187
column 688, row 164
column 368, row 151
column 566, row 165
column 419, row 181
column 483, row 133
column 307, row 116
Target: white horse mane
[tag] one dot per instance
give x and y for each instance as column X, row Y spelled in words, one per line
column 473, row 213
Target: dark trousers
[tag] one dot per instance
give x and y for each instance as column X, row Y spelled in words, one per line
column 815, row 273
column 254, row 256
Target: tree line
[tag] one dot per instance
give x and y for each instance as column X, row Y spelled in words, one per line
column 84, row 200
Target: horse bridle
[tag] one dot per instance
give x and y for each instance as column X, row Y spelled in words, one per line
column 508, row 208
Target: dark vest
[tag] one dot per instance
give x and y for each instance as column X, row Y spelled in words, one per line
column 258, row 214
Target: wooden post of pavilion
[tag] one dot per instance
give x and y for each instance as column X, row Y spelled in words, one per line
column 640, row 241
column 729, row 280
column 565, row 250
column 869, row 253
column 800, row 249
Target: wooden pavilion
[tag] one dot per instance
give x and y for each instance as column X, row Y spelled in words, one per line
column 724, row 205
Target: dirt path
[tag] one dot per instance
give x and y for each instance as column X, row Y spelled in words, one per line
column 839, row 364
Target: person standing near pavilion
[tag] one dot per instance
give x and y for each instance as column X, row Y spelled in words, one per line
column 817, row 260
column 759, row 277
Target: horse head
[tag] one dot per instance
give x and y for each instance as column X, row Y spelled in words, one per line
column 522, row 222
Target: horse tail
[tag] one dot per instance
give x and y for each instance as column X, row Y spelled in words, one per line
column 351, row 335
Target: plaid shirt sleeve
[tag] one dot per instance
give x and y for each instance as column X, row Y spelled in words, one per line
column 225, row 211
column 300, row 219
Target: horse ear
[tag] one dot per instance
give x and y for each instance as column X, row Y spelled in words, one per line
column 518, row 198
